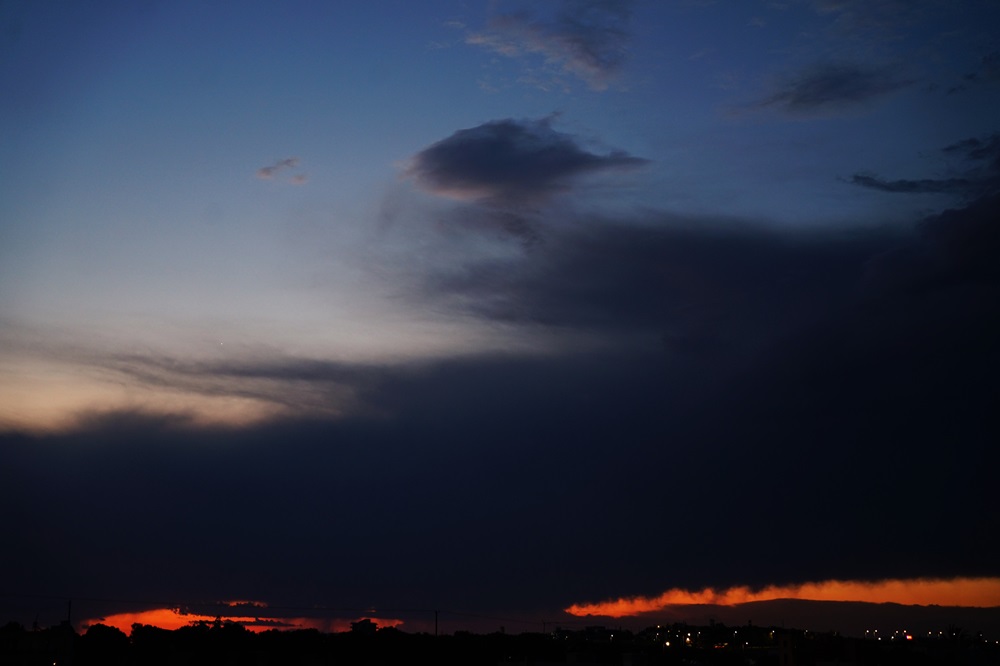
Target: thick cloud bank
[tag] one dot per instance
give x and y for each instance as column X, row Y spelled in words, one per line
column 818, row 408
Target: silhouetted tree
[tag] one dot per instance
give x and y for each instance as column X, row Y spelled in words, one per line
column 102, row 644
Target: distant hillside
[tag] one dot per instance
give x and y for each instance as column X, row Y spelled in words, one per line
column 847, row 618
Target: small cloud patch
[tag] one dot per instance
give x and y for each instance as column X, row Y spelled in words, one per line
column 271, row 171
column 587, row 40
column 831, row 87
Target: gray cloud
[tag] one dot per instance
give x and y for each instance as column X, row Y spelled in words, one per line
column 924, row 185
column 270, row 171
column 978, row 176
column 985, row 149
column 956, row 247
column 587, row 39
column 295, row 385
column 509, row 163
column 831, row 87
column 706, row 288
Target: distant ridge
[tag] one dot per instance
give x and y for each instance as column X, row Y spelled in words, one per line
column 849, row 618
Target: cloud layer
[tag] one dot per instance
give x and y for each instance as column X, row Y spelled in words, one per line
column 462, row 482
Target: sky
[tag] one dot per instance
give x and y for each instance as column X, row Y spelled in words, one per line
column 570, row 310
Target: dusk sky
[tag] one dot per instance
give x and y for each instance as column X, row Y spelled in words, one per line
column 515, row 310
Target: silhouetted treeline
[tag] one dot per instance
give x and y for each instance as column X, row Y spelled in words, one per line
column 225, row 644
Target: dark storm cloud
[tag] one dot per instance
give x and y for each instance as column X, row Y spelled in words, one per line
column 444, row 505
column 956, row 247
column 813, row 376
column 509, row 162
column 831, row 87
column 859, row 421
column 700, row 283
column 586, row 39
column 979, row 172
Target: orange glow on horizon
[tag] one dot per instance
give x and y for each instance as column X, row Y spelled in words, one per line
column 173, row 618
column 974, row 592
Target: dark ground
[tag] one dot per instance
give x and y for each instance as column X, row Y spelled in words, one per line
column 227, row 643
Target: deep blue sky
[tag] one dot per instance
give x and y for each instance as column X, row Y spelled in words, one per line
column 496, row 306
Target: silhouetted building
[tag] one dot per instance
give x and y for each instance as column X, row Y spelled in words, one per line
column 365, row 627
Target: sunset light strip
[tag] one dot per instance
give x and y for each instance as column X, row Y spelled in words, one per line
column 174, row 618
column 974, row 592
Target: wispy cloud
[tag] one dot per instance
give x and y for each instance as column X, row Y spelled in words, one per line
column 875, row 19
column 923, row 185
column 977, row 176
column 832, row 87
column 270, row 171
column 988, row 70
column 509, row 162
column 587, row 40
column 981, row 149
column 287, row 385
